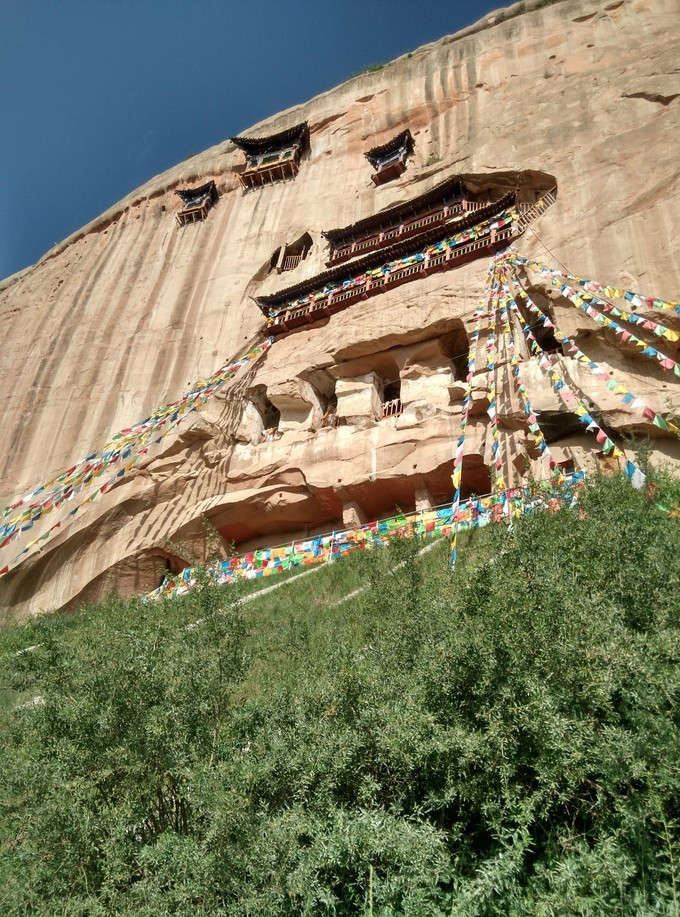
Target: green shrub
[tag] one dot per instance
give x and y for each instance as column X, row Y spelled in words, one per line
column 370, row 68
column 498, row 741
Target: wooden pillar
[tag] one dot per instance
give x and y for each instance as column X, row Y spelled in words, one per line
column 281, row 258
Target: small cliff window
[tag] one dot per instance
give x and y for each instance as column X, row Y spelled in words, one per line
column 330, row 415
column 272, row 159
column 260, row 423
column 196, row 202
column 455, row 345
column 547, row 340
column 392, row 406
column 545, row 337
column 270, row 418
column 389, row 160
column 290, row 255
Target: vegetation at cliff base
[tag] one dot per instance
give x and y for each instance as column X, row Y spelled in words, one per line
column 503, row 741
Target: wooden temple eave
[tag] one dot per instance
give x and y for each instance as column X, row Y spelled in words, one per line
column 458, row 187
column 197, row 203
column 427, row 219
column 389, row 159
column 273, row 158
column 291, row 319
column 446, row 191
column 409, row 220
column 298, row 134
column 379, row 153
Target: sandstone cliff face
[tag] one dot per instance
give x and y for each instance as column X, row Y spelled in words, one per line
column 129, row 312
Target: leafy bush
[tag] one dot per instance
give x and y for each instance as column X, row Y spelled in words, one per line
column 501, row 741
column 370, row 68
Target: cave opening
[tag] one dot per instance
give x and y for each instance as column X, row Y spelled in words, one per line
column 391, row 399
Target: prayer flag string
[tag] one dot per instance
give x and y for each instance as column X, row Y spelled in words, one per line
column 563, row 390
column 456, row 477
column 492, row 409
column 440, row 522
column 583, row 302
column 613, row 385
column 118, row 448
column 128, row 447
column 535, row 432
column 593, row 286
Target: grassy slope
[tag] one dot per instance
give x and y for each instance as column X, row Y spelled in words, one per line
column 504, row 741
column 311, row 603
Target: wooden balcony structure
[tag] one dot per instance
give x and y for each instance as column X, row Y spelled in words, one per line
column 290, row 262
column 451, row 199
column 432, row 251
column 389, row 159
column 274, row 158
column 197, row 202
column 392, row 408
column 447, row 201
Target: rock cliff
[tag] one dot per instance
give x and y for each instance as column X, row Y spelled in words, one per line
column 130, row 311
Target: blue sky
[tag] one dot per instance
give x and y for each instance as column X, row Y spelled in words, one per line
column 97, row 96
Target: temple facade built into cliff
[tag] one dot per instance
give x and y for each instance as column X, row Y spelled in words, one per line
column 212, row 348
